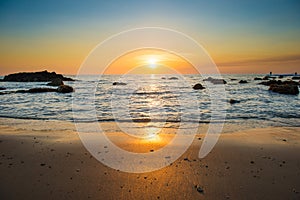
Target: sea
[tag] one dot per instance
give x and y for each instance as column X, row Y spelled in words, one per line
column 154, row 100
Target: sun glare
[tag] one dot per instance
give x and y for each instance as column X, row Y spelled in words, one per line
column 152, row 62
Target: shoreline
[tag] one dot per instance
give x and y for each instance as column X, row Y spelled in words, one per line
column 44, row 163
column 110, row 126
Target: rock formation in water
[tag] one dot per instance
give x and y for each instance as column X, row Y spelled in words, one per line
column 43, row 76
column 215, row 81
column 243, row 81
column 198, row 86
column 284, row 89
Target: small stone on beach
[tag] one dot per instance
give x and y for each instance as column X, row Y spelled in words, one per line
column 199, row 189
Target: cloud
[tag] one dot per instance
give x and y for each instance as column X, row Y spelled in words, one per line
column 261, row 61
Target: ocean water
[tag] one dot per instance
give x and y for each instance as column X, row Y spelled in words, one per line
column 153, row 98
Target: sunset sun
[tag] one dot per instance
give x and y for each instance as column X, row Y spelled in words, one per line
column 152, row 63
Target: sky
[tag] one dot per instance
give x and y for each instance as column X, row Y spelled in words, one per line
column 249, row 36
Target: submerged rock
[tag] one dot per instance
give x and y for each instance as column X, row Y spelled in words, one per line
column 257, row 79
column 266, row 77
column 215, row 81
column 296, row 78
column 198, row 86
column 243, row 81
column 60, row 89
column 279, row 82
column 173, row 78
column 43, row 76
column 271, row 82
column 233, row 101
column 65, row 89
column 56, row 82
column 219, row 81
column 119, row 83
column 40, row 90
column 33, row 90
column 284, row 89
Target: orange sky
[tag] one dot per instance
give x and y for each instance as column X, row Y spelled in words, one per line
column 150, row 61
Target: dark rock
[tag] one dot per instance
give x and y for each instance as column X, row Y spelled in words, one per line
column 56, row 82
column 243, row 81
column 2, row 88
column 296, row 78
column 199, row 189
column 280, row 76
column 284, row 89
column 290, row 82
column 208, row 79
column 279, row 82
column 233, row 79
column 215, row 81
column 163, row 78
column 219, row 81
column 271, row 82
column 40, row 90
column 119, row 83
column 233, row 101
column 257, row 79
column 198, row 86
column 43, row 76
column 173, row 78
column 65, row 89
column 266, row 78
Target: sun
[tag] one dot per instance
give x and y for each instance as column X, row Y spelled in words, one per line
column 152, row 62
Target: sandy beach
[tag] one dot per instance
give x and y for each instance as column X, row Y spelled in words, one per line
column 53, row 164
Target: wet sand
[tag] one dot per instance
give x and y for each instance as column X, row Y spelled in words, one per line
column 53, row 164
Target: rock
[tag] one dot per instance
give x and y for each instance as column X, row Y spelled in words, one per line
column 233, row 79
column 266, row 77
column 34, row 90
column 257, row 79
column 279, row 82
column 119, row 83
column 43, row 76
column 215, row 81
column 40, row 90
column 208, row 79
column 218, row 81
column 296, row 78
column 198, row 86
column 64, row 89
column 173, row 78
column 271, row 82
column 199, row 189
column 243, row 81
column 56, row 82
column 163, row 78
column 2, row 88
column 233, row 101
column 290, row 82
column 284, row 89
column 280, row 76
